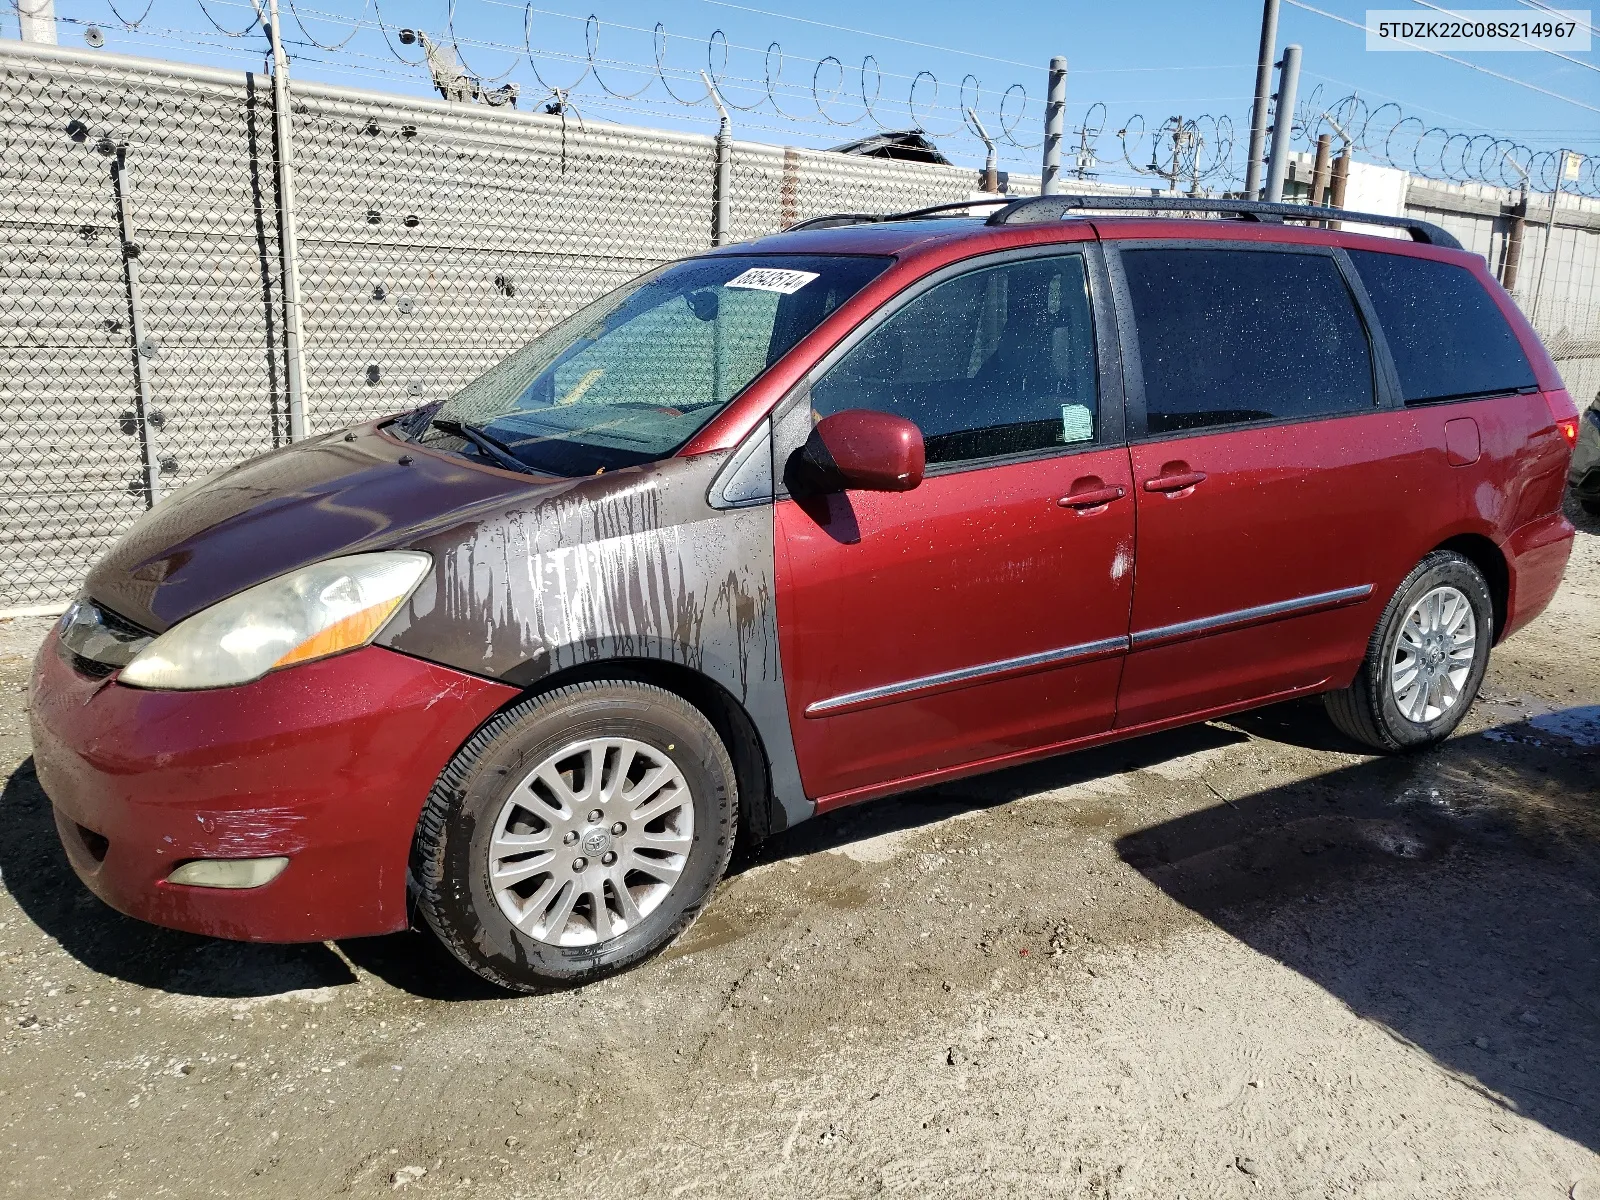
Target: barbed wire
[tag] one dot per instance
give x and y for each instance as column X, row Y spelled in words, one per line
column 767, row 81
column 1388, row 136
column 1193, row 153
column 777, row 92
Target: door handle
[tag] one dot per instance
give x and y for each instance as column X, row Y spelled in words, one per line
column 1176, row 482
column 1097, row 497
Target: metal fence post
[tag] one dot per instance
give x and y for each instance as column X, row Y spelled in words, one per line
column 288, row 239
column 37, row 21
column 1283, row 122
column 1258, row 112
column 1055, row 127
column 1549, row 236
column 722, row 189
column 143, row 347
column 989, row 181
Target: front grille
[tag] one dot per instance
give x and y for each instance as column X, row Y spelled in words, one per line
column 88, row 668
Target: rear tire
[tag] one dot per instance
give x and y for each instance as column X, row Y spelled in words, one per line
column 520, row 879
column 1425, row 661
column 1591, row 507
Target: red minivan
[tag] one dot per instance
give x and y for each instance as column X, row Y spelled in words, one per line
column 855, row 509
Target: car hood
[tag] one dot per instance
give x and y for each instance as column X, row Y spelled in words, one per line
column 341, row 493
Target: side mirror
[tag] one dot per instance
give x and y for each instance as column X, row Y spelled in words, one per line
column 864, row 451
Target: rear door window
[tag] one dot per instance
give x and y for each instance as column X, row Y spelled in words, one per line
column 1446, row 334
column 1231, row 336
column 997, row 361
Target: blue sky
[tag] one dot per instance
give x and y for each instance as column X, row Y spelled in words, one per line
column 1157, row 59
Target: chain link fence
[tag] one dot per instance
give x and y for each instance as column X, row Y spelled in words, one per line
column 141, row 315
column 141, row 272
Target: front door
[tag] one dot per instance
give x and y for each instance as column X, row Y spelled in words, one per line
column 1270, row 473
column 985, row 613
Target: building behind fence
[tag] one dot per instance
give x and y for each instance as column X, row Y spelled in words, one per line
column 141, row 272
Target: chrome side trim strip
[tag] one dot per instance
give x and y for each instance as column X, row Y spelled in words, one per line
column 1249, row 616
column 944, row 680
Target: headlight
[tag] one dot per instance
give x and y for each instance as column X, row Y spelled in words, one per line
column 323, row 609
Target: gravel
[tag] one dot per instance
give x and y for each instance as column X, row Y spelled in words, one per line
column 1091, row 977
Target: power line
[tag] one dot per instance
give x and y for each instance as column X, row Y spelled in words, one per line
column 1556, row 12
column 1460, row 62
column 1010, row 62
column 1543, row 49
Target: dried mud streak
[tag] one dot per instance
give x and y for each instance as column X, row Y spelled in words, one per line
column 631, row 566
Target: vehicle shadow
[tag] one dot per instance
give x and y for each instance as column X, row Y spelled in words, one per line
column 1449, row 897
column 37, row 875
column 896, row 814
column 36, row 872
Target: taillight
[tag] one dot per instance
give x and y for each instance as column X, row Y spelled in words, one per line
column 1564, row 413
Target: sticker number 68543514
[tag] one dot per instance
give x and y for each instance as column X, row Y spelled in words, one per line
column 771, row 279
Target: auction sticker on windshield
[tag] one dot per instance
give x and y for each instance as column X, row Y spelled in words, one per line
column 771, row 279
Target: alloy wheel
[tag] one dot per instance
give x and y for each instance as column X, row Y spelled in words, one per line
column 591, row 841
column 1433, row 655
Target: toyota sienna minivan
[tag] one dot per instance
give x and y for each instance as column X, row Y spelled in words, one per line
column 862, row 507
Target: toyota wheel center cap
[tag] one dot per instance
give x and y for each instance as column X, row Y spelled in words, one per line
column 596, row 841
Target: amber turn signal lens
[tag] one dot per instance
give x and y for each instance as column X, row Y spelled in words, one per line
column 1569, row 430
column 344, row 634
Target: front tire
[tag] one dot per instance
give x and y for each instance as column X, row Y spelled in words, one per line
column 1425, row 661
column 577, row 833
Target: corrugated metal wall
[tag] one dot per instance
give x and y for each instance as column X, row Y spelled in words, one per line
column 434, row 239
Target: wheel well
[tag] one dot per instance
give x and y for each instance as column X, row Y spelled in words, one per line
column 758, row 816
column 1486, row 556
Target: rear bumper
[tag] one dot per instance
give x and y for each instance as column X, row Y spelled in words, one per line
column 327, row 763
column 1537, row 555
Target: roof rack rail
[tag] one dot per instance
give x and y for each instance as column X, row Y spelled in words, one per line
column 836, row 220
column 1038, row 209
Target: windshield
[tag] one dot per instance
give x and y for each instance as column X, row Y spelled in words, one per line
column 631, row 377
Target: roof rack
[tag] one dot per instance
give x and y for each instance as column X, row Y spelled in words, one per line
column 835, row 220
column 1037, row 209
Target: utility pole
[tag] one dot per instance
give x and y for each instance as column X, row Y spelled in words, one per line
column 1258, row 112
column 1340, row 180
column 1320, row 170
column 288, row 237
column 1084, row 161
column 38, row 21
column 1283, row 122
column 1055, row 125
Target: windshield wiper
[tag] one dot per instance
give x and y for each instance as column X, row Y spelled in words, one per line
column 489, row 445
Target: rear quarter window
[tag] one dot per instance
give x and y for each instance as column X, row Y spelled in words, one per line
column 1446, row 334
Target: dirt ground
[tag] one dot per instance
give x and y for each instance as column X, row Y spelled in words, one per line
column 1237, row 960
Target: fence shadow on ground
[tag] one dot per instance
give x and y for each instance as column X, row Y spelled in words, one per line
column 1449, row 898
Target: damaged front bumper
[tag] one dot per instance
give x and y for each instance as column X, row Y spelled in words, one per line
column 326, row 764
